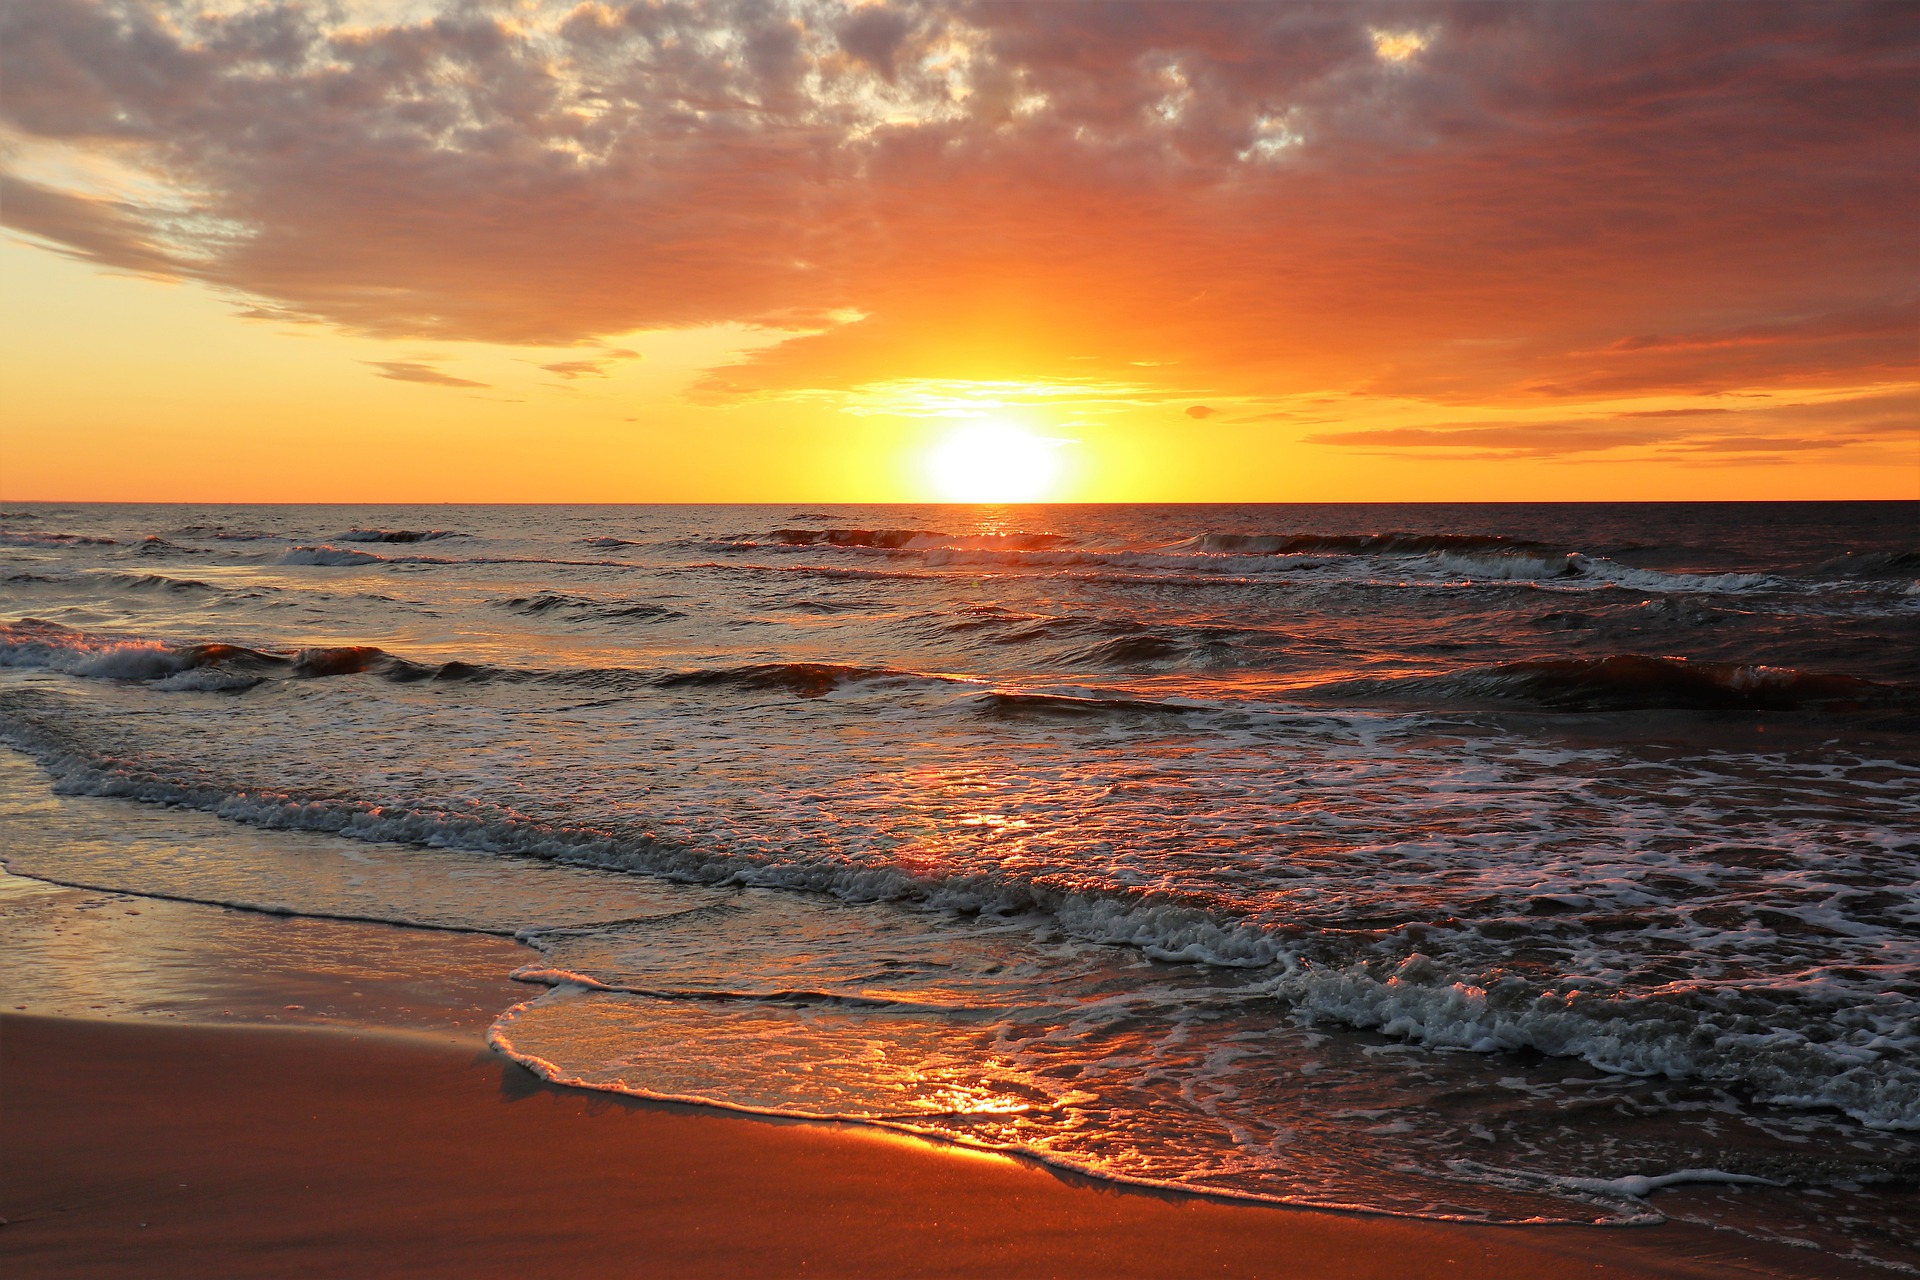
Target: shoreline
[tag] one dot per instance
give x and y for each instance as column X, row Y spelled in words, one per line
column 138, row 1149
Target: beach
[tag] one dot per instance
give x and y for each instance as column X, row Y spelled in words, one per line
column 193, row 1090
column 256, row 1152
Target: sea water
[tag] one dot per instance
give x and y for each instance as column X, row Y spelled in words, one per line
column 1514, row 862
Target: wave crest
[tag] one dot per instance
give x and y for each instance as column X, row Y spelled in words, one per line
column 212, row 667
column 1631, row 681
column 807, row 679
column 29, row 538
column 399, row 535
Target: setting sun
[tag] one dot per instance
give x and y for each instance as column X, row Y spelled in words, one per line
column 994, row 461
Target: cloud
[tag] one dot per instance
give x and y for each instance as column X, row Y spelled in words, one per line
column 1758, row 444
column 108, row 232
column 1201, row 411
column 1897, row 320
column 1457, row 202
column 408, row 371
column 598, row 366
column 1789, row 428
column 1536, row 439
column 577, row 368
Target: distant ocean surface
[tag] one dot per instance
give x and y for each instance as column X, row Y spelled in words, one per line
column 1494, row 862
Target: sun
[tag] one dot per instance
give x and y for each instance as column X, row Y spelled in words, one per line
column 994, row 461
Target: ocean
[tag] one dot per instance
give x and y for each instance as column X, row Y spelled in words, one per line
column 1553, row 862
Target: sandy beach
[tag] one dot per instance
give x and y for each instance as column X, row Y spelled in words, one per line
column 213, row 1151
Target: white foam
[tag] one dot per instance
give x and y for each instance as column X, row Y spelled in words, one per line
column 1640, row 1186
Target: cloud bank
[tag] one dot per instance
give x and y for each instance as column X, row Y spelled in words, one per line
column 1460, row 203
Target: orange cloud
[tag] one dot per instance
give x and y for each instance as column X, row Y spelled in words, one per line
column 409, row 371
column 1468, row 204
column 1830, row 425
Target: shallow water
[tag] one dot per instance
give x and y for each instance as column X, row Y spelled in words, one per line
column 1463, row 861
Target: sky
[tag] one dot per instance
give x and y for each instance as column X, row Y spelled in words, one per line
column 811, row 250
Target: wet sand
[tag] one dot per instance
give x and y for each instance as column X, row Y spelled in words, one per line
column 145, row 1150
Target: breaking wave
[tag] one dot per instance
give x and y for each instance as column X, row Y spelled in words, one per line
column 1841, row 1049
column 202, row 667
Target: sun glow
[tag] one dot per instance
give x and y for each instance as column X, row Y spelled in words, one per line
column 994, row 461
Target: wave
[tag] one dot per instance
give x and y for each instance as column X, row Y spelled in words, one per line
column 1008, row 703
column 1352, row 544
column 335, row 556
column 917, row 539
column 346, row 557
column 1505, row 558
column 1509, row 566
column 1627, row 682
column 155, row 545
column 557, row 602
column 1013, row 558
column 1362, row 558
column 1845, row 1048
column 609, row 542
column 1437, row 568
column 1875, row 564
column 399, row 535
column 1182, row 646
column 1116, row 642
column 817, row 571
column 29, row 538
column 155, row 582
column 807, row 679
column 220, row 667
column 221, row 533
column 1514, row 566
column 1732, row 1038
column 214, row 667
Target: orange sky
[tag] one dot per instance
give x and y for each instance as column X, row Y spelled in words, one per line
column 782, row 251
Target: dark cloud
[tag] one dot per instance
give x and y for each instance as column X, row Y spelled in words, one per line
column 1545, row 201
column 407, row 371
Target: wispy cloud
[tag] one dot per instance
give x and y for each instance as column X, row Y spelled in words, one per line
column 410, row 371
column 596, row 366
column 1799, row 427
